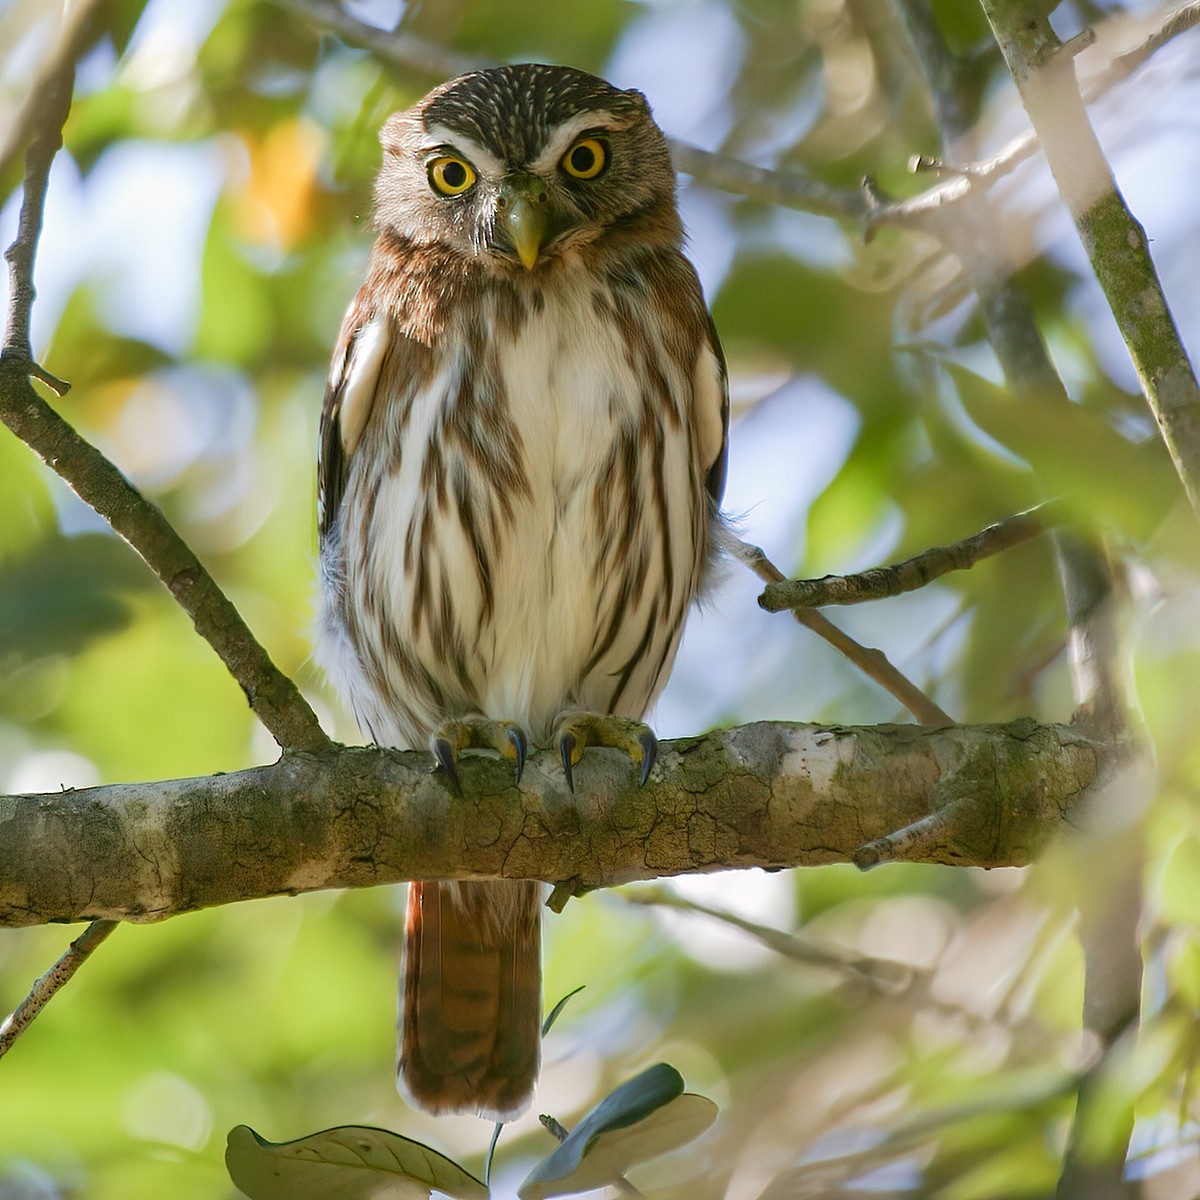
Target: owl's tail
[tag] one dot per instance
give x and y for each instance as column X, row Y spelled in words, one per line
column 472, row 997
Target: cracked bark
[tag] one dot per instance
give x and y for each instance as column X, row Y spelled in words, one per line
column 768, row 795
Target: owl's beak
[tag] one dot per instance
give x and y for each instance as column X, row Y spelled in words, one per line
column 524, row 218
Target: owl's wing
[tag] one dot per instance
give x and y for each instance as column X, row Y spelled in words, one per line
column 714, row 393
column 349, row 397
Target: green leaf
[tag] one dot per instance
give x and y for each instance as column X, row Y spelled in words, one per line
column 556, row 1011
column 64, row 592
column 350, row 1162
column 236, row 320
column 1076, row 453
column 643, row 1118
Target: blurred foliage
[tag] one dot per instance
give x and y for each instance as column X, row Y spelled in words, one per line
column 196, row 334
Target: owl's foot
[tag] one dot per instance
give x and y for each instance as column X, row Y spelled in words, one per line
column 577, row 729
column 478, row 733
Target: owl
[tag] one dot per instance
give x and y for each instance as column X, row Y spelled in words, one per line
column 522, row 456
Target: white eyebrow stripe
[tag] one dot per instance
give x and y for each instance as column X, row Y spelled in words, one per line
column 481, row 159
column 564, row 135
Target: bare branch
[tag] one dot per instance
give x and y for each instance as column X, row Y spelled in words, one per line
column 45, row 989
column 1180, row 20
column 913, row 573
column 872, row 662
column 49, row 113
column 767, row 795
column 788, row 189
column 1115, row 243
column 881, row 974
column 273, row 697
column 430, row 59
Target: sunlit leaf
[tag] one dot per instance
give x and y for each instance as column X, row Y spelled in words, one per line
column 351, row 1162
column 642, row 1119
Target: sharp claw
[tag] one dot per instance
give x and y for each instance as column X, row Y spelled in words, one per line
column 519, row 743
column 443, row 751
column 566, row 747
column 649, row 744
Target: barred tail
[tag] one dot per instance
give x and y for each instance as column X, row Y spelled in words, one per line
column 471, row 1014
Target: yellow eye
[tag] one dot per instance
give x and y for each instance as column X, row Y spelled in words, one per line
column 585, row 159
column 450, row 176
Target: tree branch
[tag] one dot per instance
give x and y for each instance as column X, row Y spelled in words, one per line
column 48, row 986
column 1116, row 245
column 879, row 583
column 872, row 662
column 1110, row 929
column 274, row 698
column 766, row 795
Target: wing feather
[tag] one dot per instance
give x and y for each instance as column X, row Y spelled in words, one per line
column 712, row 398
column 349, row 399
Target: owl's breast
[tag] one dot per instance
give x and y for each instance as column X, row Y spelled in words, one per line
column 543, row 532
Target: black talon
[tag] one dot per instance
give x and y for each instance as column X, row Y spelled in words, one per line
column 649, row 744
column 566, row 744
column 519, row 742
column 443, row 751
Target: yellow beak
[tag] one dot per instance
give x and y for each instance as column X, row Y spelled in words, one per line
column 526, row 223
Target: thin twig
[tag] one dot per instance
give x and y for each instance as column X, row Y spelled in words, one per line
column 555, row 1128
column 1179, row 21
column 413, row 53
column 274, row 698
column 965, row 177
column 1115, row 243
column 789, row 189
column 881, row 973
column 45, row 138
column 45, row 989
column 880, row 583
column 873, row 663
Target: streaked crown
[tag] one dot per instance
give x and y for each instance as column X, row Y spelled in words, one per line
column 514, row 110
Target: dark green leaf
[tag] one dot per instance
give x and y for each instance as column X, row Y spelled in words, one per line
column 556, row 1011
column 642, row 1119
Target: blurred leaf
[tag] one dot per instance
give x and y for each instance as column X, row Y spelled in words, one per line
column 87, row 353
column 26, row 510
column 777, row 300
column 642, row 1119
column 1075, row 453
column 556, row 1011
column 236, row 322
column 121, row 19
column 64, row 592
column 257, row 64
column 580, row 35
column 1180, row 883
column 97, row 120
column 351, row 1162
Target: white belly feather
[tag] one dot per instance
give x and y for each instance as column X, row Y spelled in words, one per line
column 573, row 392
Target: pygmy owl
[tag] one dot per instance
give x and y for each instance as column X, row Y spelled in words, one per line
column 522, row 454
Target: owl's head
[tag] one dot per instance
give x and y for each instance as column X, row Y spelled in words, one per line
column 519, row 165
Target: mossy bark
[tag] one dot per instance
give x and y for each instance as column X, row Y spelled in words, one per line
column 766, row 795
